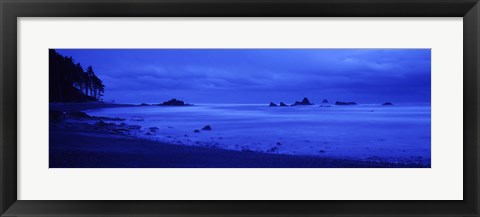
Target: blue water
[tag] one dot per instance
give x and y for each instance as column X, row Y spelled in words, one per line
column 367, row 132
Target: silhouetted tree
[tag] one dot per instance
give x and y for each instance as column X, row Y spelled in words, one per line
column 70, row 83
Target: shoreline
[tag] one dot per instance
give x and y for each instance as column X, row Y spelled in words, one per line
column 82, row 106
column 78, row 144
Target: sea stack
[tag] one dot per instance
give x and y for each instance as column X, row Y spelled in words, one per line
column 305, row 101
column 272, row 104
column 174, row 102
column 282, row 104
column 325, row 103
column 387, row 103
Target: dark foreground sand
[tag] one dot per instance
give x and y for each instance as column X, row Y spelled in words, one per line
column 83, row 145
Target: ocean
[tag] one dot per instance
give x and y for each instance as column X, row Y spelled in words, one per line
column 396, row 134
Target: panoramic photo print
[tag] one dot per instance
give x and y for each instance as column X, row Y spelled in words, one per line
column 239, row 108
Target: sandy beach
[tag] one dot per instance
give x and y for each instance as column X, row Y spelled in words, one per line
column 78, row 141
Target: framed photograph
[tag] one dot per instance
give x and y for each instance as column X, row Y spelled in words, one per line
column 252, row 108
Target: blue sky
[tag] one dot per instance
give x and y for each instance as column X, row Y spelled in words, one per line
column 260, row 75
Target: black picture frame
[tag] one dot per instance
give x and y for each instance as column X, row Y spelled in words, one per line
column 10, row 10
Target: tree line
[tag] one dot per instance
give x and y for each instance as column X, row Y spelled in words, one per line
column 69, row 82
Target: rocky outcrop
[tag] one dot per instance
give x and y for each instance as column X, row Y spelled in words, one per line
column 78, row 115
column 104, row 124
column 345, row 103
column 282, row 104
column 272, row 104
column 85, row 116
column 175, row 102
column 207, row 128
column 387, row 103
column 305, row 101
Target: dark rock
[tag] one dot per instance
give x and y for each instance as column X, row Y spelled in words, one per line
column 134, row 127
column 325, row 101
column 272, row 104
column 153, row 129
column 207, row 127
column 78, row 115
column 273, row 149
column 345, row 103
column 108, row 119
column 103, row 124
column 85, row 116
column 246, row 150
column 282, row 104
column 196, row 131
column 305, row 101
column 322, row 151
column 175, row 102
column 144, row 104
column 278, row 143
column 119, row 131
column 387, row 103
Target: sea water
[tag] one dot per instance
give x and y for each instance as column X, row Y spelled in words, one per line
column 366, row 132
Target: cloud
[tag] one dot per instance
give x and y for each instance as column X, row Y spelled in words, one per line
column 201, row 74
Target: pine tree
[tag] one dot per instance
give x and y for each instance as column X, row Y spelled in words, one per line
column 68, row 82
